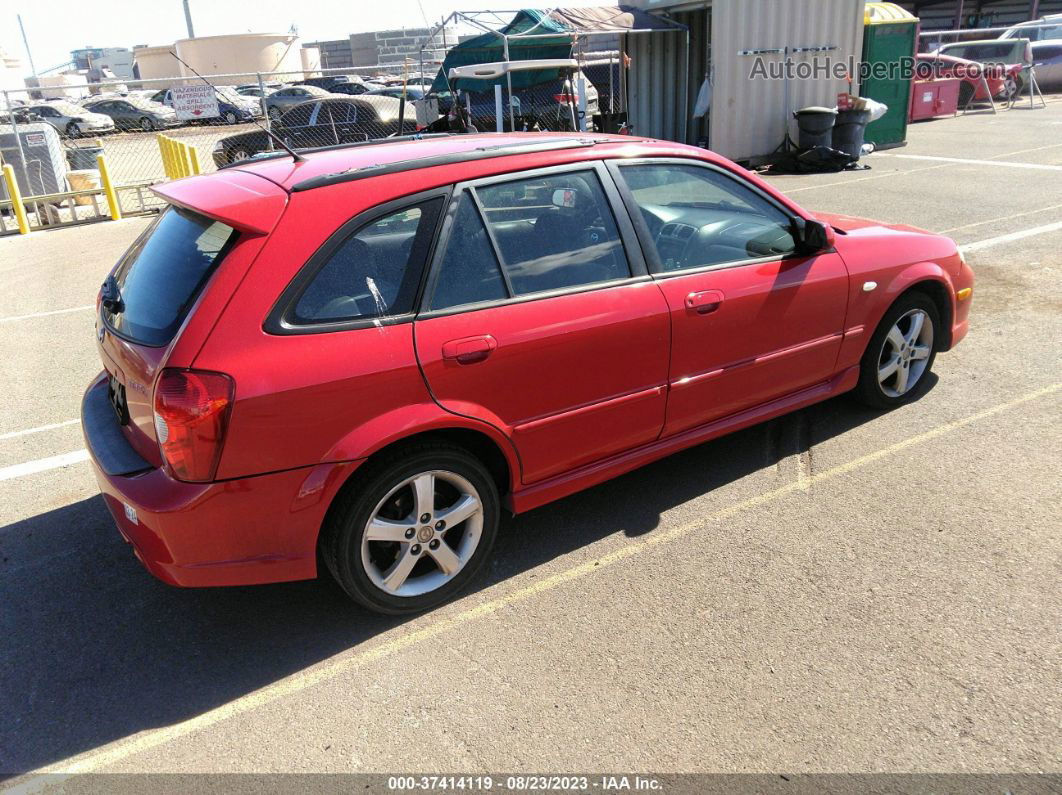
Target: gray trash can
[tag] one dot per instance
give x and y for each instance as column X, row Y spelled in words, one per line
column 83, row 157
column 848, row 131
column 815, row 125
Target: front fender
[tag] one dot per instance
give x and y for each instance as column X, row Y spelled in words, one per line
column 866, row 307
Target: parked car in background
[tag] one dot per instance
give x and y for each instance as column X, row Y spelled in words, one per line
column 305, row 368
column 334, row 119
column 412, row 92
column 1048, row 28
column 131, row 114
column 1009, row 55
column 284, row 99
column 972, row 88
column 232, row 107
column 254, row 90
column 1047, row 58
column 68, row 119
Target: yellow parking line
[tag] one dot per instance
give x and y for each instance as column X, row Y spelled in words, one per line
column 343, row 663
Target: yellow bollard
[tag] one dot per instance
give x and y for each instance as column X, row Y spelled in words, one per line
column 15, row 195
column 108, row 189
column 175, row 159
column 193, row 157
column 186, row 161
column 160, row 139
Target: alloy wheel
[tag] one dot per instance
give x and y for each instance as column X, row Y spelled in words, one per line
column 422, row 534
column 905, row 353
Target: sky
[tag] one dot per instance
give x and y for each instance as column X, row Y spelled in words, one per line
column 55, row 27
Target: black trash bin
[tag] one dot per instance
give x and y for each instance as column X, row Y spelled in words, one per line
column 815, row 126
column 83, row 157
column 848, row 131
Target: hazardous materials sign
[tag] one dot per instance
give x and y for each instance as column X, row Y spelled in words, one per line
column 194, row 102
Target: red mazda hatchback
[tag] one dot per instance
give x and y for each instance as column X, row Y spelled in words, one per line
column 364, row 356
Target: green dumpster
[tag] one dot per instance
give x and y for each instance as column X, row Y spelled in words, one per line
column 890, row 35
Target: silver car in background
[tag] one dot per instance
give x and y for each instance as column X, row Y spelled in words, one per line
column 69, row 120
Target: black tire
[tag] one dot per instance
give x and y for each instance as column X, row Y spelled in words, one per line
column 146, row 124
column 274, row 113
column 72, row 130
column 239, row 153
column 966, row 94
column 344, row 528
column 870, row 390
column 230, row 118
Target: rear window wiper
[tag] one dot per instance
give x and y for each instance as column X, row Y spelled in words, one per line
column 111, row 296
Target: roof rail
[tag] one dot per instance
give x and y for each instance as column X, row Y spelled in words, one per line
column 330, row 147
column 479, row 153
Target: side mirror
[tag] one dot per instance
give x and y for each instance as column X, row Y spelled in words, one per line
column 813, row 236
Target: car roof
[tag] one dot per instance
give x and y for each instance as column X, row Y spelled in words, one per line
column 435, row 150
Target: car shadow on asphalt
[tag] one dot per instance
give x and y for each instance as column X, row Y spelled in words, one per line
column 95, row 649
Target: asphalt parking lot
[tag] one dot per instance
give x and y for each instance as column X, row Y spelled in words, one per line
column 839, row 590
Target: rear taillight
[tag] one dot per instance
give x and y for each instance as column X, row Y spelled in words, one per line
column 191, row 414
column 564, row 99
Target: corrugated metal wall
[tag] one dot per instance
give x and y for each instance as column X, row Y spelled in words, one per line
column 658, row 88
column 747, row 118
column 749, row 114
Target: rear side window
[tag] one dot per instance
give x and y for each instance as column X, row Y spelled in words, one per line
column 374, row 272
column 161, row 276
column 528, row 236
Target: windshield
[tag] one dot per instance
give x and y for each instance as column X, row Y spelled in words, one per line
column 160, row 277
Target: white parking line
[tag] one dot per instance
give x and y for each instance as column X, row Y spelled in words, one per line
column 995, row 241
column 1000, row 219
column 28, row 431
column 43, row 464
column 47, row 314
column 53, row 774
column 1002, row 163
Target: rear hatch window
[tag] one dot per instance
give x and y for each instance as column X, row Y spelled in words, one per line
column 161, row 276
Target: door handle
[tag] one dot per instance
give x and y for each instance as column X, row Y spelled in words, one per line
column 469, row 350
column 704, row 303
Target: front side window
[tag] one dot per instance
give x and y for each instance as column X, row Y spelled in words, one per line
column 698, row 217
column 374, row 272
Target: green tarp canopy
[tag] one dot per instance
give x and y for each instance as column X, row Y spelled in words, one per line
column 489, row 48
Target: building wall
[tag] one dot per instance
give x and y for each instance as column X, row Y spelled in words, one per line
column 336, row 54
column 118, row 59
column 394, row 46
column 748, row 117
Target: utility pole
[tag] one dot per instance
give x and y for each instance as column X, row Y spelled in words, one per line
column 188, row 19
column 25, row 43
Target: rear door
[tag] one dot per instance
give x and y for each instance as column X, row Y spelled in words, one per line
column 751, row 320
column 539, row 319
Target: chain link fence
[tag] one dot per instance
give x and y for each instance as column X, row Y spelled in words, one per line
column 52, row 135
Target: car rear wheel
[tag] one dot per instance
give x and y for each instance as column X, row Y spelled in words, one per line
column 72, row 130
column 239, row 154
column 230, row 118
column 413, row 530
column 146, row 124
column 900, row 355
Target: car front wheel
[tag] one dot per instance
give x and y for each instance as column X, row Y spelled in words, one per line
column 900, row 355
column 274, row 113
column 146, row 124
column 413, row 530
column 72, row 130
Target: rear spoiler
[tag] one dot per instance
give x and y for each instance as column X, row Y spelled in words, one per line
column 240, row 199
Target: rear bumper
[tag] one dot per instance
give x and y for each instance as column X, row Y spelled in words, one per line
column 238, row 532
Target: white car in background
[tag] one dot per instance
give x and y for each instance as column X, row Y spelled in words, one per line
column 1045, row 37
column 69, row 120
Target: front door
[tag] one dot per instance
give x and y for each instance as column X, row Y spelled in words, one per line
column 540, row 320
column 751, row 321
